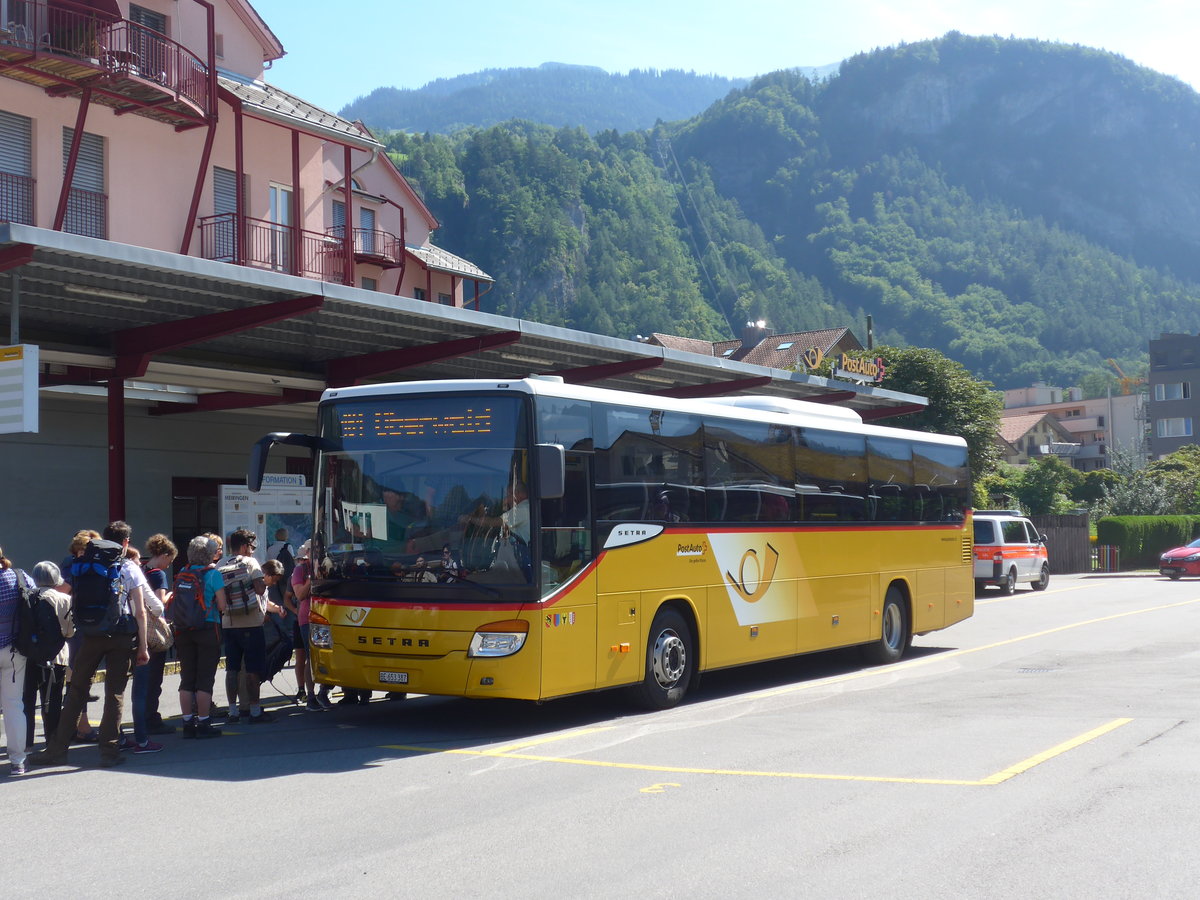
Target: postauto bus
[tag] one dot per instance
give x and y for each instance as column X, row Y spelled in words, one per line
column 533, row 539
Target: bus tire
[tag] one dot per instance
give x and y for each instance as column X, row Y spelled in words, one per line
column 670, row 661
column 1043, row 579
column 895, row 634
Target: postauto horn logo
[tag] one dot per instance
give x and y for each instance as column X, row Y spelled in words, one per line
column 749, row 574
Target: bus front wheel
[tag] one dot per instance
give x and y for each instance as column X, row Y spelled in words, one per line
column 895, row 635
column 669, row 661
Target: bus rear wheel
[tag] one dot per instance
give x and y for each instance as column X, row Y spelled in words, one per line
column 895, row 635
column 669, row 661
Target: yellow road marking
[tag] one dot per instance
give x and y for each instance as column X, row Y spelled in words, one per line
column 998, row 778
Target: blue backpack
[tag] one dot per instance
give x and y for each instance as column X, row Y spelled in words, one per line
column 96, row 591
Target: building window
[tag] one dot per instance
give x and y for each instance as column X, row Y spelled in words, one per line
column 1100, row 421
column 219, row 45
column 418, row 293
column 366, row 238
column 16, row 169
column 1178, row 426
column 1179, row 390
column 87, row 204
column 369, row 284
column 445, row 299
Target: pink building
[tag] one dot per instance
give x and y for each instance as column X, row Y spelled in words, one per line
column 150, row 124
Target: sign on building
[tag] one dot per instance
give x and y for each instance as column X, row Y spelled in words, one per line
column 19, row 389
column 274, row 509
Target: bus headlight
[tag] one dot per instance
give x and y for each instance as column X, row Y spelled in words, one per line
column 499, row 638
column 320, row 635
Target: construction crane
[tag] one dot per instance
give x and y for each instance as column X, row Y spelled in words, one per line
column 1128, row 383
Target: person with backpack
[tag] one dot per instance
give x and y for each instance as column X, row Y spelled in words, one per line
column 13, row 586
column 108, row 604
column 197, row 601
column 242, row 624
column 283, row 551
column 46, row 667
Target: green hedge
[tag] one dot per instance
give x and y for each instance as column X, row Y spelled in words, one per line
column 1142, row 538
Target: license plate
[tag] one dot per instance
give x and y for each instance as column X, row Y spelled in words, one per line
column 393, row 677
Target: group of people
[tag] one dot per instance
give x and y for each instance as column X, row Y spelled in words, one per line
column 232, row 597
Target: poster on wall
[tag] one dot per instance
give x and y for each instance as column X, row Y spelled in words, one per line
column 281, row 511
column 19, row 389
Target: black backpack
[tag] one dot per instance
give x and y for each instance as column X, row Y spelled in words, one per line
column 38, row 636
column 96, row 591
column 187, row 609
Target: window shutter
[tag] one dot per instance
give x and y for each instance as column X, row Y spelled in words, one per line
column 15, row 142
column 89, row 168
column 224, row 191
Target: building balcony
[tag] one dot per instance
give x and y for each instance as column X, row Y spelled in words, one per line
column 66, row 47
column 17, row 198
column 380, row 248
column 260, row 244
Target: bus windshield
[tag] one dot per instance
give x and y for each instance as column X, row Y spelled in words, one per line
column 424, row 493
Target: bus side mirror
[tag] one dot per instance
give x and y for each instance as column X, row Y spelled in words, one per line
column 262, row 449
column 552, row 471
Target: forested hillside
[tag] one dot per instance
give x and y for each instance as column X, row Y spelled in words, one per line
column 1030, row 209
column 551, row 94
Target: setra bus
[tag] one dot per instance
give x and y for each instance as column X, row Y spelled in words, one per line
column 533, row 539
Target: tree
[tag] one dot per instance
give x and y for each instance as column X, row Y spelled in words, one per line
column 1138, row 493
column 958, row 402
column 1044, row 485
column 1091, row 489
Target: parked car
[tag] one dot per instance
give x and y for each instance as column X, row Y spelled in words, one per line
column 1180, row 561
column 1009, row 551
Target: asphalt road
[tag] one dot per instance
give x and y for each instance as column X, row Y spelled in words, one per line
column 1045, row 748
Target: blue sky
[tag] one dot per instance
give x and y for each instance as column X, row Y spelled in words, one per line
column 337, row 52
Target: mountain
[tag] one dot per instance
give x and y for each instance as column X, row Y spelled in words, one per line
column 1027, row 208
column 553, row 93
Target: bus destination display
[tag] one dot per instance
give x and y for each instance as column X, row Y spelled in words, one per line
column 390, row 424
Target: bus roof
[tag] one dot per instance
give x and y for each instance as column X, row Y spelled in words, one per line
column 756, row 407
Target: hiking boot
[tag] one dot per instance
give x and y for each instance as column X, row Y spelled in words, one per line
column 206, row 730
column 107, row 762
column 263, row 718
column 231, row 719
column 148, row 747
column 300, row 696
column 189, row 729
column 46, row 758
column 313, row 705
column 323, row 699
column 126, row 743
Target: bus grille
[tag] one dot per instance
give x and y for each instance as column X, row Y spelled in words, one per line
column 968, row 551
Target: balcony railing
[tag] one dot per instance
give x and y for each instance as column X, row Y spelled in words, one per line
column 269, row 245
column 17, row 198
column 87, row 214
column 141, row 64
column 370, row 245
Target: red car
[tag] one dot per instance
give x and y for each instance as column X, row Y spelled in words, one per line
column 1181, row 561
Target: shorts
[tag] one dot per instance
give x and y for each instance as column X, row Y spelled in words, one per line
column 300, row 636
column 246, row 648
column 198, row 651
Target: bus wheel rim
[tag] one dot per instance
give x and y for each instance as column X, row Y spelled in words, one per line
column 670, row 659
column 893, row 628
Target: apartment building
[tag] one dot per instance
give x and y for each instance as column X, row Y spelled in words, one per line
column 1174, row 409
column 1094, row 426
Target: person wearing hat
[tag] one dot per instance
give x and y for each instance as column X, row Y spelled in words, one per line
column 301, row 583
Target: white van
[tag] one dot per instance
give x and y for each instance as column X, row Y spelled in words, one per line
column 1009, row 551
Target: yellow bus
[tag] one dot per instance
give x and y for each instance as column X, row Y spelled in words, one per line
column 533, row 539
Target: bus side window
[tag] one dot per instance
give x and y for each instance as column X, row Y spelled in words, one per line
column 566, row 532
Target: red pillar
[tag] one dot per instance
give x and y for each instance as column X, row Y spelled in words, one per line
column 348, row 237
column 116, row 449
column 64, row 196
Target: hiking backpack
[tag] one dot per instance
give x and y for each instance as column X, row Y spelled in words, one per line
column 240, row 596
column 38, row 636
column 187, row 609
column 96, row 591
